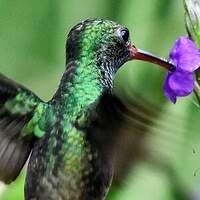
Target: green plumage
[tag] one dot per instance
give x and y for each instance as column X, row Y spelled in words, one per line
column 17, row 106
column 72, row 137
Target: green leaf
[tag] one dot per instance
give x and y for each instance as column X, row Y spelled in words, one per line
column 192, row 18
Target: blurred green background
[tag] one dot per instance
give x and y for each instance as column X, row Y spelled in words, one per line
column 32, row 52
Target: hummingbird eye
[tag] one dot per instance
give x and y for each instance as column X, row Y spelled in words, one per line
column 124, row 33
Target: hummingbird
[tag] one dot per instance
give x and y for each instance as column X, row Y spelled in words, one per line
column 71, row 139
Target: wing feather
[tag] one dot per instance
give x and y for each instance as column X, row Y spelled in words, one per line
column 17, row 106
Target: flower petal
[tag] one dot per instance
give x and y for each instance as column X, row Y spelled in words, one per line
column 168, row 92
column 189, row 63
column 178, row 84
column 181, row 83
column 185, row 55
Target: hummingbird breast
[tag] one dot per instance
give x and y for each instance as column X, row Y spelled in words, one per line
column 72, row 161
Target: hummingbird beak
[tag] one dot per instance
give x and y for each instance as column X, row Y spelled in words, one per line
column 138, row 54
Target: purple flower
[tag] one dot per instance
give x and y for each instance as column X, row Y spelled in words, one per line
column 186, row 57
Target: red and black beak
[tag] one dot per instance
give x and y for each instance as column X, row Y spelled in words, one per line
column 137, row 54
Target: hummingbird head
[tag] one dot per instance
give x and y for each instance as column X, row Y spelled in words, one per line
column 106, row 45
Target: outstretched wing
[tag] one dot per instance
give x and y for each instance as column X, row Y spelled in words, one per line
column 17, row 105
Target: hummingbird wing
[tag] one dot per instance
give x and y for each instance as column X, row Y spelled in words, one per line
column 17, row 106
column 148, row 134
column 138, row 116
column 139, row 127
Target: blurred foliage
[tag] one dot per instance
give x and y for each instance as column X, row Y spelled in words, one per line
column 32, row 42
column 192, row 16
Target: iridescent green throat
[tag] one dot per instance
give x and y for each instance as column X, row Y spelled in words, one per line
column 82, row 82
column 88, row 71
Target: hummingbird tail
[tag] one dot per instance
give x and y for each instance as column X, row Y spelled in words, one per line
column 17, row 105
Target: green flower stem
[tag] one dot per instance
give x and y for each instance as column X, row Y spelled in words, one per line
column 192, row 19
column 197, row 91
